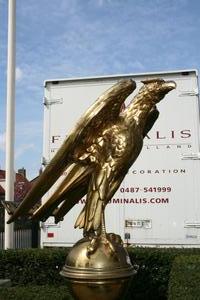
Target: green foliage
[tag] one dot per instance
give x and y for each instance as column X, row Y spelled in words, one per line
column 35, row 292
column 151, row 280
column 32, row 266
column 42, row 267
column 185, row 278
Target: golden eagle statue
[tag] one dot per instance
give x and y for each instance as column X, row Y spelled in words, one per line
column 97, row 155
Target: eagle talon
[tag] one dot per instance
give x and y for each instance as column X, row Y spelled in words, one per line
column 110, row 246
column 92, row 247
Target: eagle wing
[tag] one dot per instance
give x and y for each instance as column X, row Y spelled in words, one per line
column 73, row 187
column 101, row 113
column 151, row 119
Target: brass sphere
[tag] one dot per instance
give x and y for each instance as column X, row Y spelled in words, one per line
column 101, row 273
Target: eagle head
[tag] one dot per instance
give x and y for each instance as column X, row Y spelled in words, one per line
column 157, row 88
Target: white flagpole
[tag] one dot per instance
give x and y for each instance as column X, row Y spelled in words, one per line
column 10, row 121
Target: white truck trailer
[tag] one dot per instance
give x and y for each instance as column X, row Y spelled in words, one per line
column 158, row 203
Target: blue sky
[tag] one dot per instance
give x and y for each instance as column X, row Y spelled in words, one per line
column 73, row 38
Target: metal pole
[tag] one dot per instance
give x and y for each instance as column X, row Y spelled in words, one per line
column 10, row 121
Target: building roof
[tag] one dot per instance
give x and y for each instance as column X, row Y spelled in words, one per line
column 22, row 185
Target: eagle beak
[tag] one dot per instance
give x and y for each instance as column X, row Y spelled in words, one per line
column 169, row 85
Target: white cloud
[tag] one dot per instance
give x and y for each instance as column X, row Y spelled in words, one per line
column 19, row 74
column 137, row 65
column 102, row 2
column 22, row 149
column 29, row 130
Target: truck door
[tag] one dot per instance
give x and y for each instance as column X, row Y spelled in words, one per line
column 163, row 186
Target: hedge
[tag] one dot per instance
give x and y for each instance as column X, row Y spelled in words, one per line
column 33, row 266
column 185, row 278
column 42, row 266
column 151, row 281
column 35, row 292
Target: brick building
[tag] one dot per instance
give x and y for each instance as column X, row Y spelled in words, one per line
column 22, row 185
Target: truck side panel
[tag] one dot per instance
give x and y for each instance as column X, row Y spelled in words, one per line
column 157, row 203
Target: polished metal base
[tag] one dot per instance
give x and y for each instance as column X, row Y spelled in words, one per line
column 98, row 290
column 98, row 268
